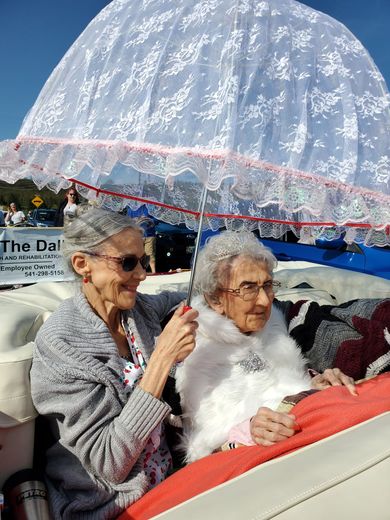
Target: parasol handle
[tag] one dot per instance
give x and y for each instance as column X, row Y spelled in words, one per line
column 197, row 245
column 186, row 308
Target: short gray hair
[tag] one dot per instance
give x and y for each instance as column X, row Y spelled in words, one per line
column 90, row 227
column 216, row 257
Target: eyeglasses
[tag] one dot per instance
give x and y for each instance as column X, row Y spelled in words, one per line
column 249, row 291
column 72, row 194
column 128, row 262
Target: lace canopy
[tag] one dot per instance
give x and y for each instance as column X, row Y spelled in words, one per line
column 275, row 108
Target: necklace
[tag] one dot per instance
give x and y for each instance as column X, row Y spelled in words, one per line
column 253, row 363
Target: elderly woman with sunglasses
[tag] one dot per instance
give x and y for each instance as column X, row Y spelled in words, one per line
column 244, row 362
column 99, row 368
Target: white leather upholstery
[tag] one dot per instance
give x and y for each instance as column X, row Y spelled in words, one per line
column 22, row 312
column 343, row 285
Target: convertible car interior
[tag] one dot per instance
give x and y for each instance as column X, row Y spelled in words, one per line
column 344, row 475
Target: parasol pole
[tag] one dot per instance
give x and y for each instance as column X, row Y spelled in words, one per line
column 202, row 206
column 197, row 244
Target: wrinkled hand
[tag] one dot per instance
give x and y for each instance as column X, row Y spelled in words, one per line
column 333, row 377
column 268, row 427
column 177, row 340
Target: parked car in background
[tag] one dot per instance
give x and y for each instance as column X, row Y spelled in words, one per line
column 335, row 253
column 174, row 247
column 42, row 218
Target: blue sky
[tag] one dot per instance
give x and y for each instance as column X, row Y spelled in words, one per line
column 35, row 34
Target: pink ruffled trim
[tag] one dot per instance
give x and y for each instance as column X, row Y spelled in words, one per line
column 223, row 155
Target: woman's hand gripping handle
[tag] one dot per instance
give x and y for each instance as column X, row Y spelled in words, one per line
column 174, row 344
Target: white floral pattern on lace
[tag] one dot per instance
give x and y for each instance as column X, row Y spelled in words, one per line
column 243, row 8
column 298, row 138
column 232, row 46
column 380, row 170
column 54, row 113
column 215, row 103
column 304, row 13
column 322, row 103
column 261, row 9
column 201, row 10
column 301, row 40
column 263, row 110
column 369, row 105
column 279, row 68
column 169, row 109
column 335, row 169
column 348, row 46
column 274, row 107
column 350, row 128
column 331, row 63
column 188, row 54
column 141, row 72
column 155, row 23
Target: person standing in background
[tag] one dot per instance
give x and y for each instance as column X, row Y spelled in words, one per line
column 2, row 221
column 149, row 227
column 68, row 206
column 14, row 216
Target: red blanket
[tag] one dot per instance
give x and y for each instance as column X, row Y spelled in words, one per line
column 320, row 415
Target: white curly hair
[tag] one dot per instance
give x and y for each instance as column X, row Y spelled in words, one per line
column 216, row 257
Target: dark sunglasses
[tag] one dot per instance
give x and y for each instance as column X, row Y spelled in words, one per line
column 72, row 194
column 128, row 262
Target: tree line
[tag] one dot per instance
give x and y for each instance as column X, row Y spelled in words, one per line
column 22, row 193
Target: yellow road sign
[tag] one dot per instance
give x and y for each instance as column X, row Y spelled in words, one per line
column 37, row 201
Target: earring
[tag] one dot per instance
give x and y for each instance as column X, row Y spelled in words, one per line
column 85, row 279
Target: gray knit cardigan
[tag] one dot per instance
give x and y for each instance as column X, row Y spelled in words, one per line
column 93, row 469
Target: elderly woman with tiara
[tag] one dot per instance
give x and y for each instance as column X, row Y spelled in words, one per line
column 100, row 365
column 244, row 362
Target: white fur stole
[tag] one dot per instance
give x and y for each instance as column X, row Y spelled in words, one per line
column 217, row 388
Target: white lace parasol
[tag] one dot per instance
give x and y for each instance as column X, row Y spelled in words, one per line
column 272, row 106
